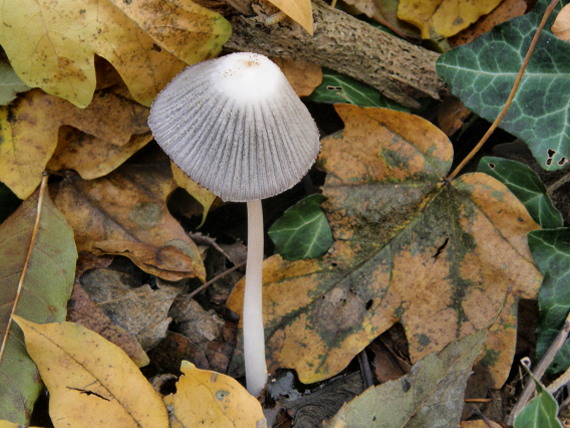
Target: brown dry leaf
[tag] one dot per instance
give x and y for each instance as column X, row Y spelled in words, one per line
column 508, row 9
column 443, row 259
column 92, row 383
column 299, row 11
column 304, row 77
column 561, row 26
column 479, row 424
column 30, row 125
column 138, row 308
column 82, row 310
column 452, row 115
column 436, row 18
column 125, row 214
column 212, row 399
column 53, row 44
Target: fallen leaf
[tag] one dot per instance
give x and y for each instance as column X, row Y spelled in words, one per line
column 91, row 382
column 212, row 399
column 303, row 77
column 508, row 9
column 82, row 310
column 10, row 83
column 30, row 126
column 139, row 309
column 436, row 18
column 201, row 194
column 37, row 264
column 481, row 74
column 53, row 45
column 430, row 395
column 299, row 11
column 125, row 214
column 443, row 259
column 479, row 424
column 561, row 26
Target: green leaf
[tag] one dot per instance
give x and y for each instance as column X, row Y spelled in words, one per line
column 431, row 395
column 10, row 83
column 44, row 263
column 338, row 88
column 525, row 184
column 482, row 74
column 551, row 251
column 303, row 231
column 540, row 412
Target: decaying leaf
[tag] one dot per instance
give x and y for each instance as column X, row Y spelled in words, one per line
column 92, row 383
column 444, row 259
column 299, row 11
column 436, row 18
column 138, row 308
column 125, row 214
column 561, row 26
column 37, row 264
column 212, row 399
column 303, row 77
column 29, row 128
column 10, row 83
column 201, row 194
column 431, row 395
column 52, row 45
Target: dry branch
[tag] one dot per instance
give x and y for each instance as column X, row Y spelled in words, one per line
column 398, row 69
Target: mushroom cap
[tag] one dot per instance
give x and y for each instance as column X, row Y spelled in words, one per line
column 234, row 125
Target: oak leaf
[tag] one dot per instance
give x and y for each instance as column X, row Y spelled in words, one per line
column 445, row 259
column 52, row 45
column 115, row 129
column 125, row 214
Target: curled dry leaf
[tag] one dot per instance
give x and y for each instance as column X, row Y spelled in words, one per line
column 212, row 399
column 561, row 26
column 299, row 11
column 125, row 214
column 92, row 383
column 147, row 42
column 444, row 259
column 436, row 18
column 30, row 126
column 201, row 194
column 37, row 265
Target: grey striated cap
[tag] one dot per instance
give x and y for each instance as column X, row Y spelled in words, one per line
column 234, row 125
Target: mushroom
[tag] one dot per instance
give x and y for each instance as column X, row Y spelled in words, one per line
column 234, row 125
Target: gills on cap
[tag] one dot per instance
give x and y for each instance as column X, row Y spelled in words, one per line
column 234, row 125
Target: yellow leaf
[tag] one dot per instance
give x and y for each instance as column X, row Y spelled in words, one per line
column 29, row 129
column 299, row 11
column 211, row 399
column 92, row 383
column 443, row 17
column 52, row 44
column 7, row 424
column 202, row 195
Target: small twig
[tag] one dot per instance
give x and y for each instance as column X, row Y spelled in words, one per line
column 478, row 412
column 555, row 346
column 214, row 279
column 557, row 184
column 512, row 94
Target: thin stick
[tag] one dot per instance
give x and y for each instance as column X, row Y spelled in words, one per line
column 503, row 112
column 253, row 333
column 214, row 279
column 555, row 346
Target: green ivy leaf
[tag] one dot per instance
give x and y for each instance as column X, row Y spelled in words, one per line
column 10, row 83
column 303, row 231
column 551, row 251
column 338, row 88
column 482, row 74
column 525, row 184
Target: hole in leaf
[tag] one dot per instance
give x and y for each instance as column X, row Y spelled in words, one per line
column 491, row 165
column 562, row 161
column 334, row 265
column 369, row 304
column 333, row 88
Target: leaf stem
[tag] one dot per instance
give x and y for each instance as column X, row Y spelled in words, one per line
column 33, row 237
column 253, row 333
column 512, row 94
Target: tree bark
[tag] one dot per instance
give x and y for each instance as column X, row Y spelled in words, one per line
column 400, row 70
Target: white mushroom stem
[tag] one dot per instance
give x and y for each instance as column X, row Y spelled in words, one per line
column 253, row 334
